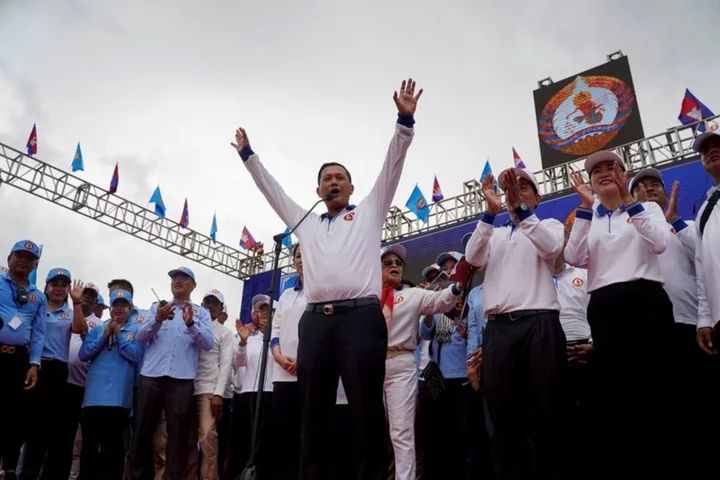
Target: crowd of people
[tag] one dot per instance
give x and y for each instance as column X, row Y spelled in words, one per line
column 588, row 356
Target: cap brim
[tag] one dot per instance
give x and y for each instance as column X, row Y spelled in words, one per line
column 397, row 249
column 62, row 275
column 602, row 156
column 429, row 269
column 175, row 272
column 702, row 138
column 519, row 172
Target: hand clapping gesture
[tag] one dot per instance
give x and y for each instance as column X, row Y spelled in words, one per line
column 188, row 314
column 512, row 191
column 492, row 199
column 582, row 189
column 672, row 210
column 406, row 100
column 620, row 178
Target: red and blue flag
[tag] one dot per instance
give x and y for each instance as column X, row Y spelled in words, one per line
column 693, row 110
column 246, row 240
column 32, row 142
column 115, row 180
column 185, row 217
column 518, row 161
column 437, row 194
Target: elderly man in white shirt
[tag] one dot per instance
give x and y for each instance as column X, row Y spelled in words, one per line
column 402, row 307
column 214, row 368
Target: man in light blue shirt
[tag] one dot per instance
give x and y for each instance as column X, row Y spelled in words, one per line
column 23, row 315
column 171, row 334
column 113, row 351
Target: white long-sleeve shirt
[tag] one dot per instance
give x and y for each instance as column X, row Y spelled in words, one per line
column 410, row 304
column 707, row 266
column 341, row 254
column 249, row 357
column 290, row 308
column 677, row 264
column 215, row 365
column 573, row 296
column 620, row 246
column 519, row 262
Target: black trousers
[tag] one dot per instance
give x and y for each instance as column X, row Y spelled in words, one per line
column 103, row 448
column 632, row 329
column 286, row 412
column 72, row 410
column 351, row 344
column 223, row 431
column 342, row 456
column 448, row 442
column 13, row 415
column 241, row 434
column 577, row 413
column 523, row 370
column 154, row 395
column 47, row 424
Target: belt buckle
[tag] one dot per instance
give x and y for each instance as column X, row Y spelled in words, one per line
column 328, row 309
column 9, row 349
column 512, row 318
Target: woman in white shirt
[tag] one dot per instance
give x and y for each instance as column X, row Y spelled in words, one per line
column 248, row 355
column 629, row 313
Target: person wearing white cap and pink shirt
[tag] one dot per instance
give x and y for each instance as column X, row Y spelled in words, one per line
column 402, row 307
column 213, row 374
column 630, row 315
column 523, row 344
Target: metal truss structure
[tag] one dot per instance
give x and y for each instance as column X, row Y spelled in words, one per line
column 57, row 186
column 66, row 190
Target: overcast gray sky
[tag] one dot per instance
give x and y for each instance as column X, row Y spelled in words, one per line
column 161, row 85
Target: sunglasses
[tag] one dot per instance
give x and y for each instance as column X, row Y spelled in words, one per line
column 390, row 263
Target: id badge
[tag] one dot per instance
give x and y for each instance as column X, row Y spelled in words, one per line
column 16, row 322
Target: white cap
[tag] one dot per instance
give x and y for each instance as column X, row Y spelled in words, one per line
column 215, row 293
column 602, row 156
column 519, row 172
column 444, row 257
column 395, row 248
column 697, row 144
column 645, row 173
column 430, row 268
column 259, row 300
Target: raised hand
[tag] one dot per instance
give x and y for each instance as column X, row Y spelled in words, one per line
column 640, row 193
column 187, row 314
column 672, row 211
column 77, row 290
column 241, row 139
column 621, row 182
column 243, row 332
column 582, row 189
column 492, row 199
column 512, row 191
column 406, row 100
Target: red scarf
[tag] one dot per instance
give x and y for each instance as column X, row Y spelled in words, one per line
column 387, row 303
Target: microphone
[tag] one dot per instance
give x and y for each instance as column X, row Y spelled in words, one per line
column 329, row 197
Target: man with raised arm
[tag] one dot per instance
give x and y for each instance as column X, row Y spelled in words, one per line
column 343, row 331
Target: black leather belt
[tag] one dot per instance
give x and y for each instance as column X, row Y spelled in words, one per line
column 516, row 315
column 338, row 306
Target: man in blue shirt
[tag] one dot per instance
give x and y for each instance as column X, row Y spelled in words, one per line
column 171, row 334
column 113, row 352
column 23, row 311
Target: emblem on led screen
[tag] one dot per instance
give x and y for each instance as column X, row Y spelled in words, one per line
column 586, row 114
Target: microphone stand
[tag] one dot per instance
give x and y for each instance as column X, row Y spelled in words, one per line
column 250, row 472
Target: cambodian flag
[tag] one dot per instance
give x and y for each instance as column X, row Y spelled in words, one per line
column 693, row 110
column 518, row 161
column 185, row 218
column 246, row 240
column 115, row 180
column 437, row 191
column 32, row 142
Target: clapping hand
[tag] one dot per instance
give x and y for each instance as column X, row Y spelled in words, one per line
column 406, row 100
column 672, row 210
column 188, row 313
column 582, row 189
column 512, row 191
column 492, row 199
column 620, row 178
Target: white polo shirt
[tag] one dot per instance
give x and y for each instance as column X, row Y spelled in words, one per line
column 572, row 293
column 519, row 262
column 410, row 304
column 620, row 246
column 349, row 242
column 77, row 370
column 249, row 357
column 678, row 267
column 707, row 266
column 215, row 365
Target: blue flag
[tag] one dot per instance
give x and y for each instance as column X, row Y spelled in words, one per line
column 487, row 170
column 693, row 110
column 287, row 239
column 77, row 163
column 158, row 201
column 418, row 205
column 213, row 229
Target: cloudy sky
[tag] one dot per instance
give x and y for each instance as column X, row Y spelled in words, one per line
column 159, row 86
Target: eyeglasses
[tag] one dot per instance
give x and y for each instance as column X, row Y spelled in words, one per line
column 390, row 263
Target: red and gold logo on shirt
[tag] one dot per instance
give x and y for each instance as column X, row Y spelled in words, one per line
column 629, row 220
column 139, row 319
column 129, row 337
column 64, row 316
column 349, row 217
column 399, row 300
column 32, row 298
column 92, row 324
column 578, row 282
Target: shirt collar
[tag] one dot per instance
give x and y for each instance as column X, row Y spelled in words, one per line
column 601, row 211
column 326, row 216
column 63, row 308
column 565, row 270
column 510, row 224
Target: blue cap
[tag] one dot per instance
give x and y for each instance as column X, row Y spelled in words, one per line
column 120, row 294
column 444, row 257
column 182, row 271
column 58, row 272
column 26, row 246
column 101, row 301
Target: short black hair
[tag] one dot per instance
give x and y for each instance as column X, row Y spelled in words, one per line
column 122, row 283
column 293, row 249
column 333, row 164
